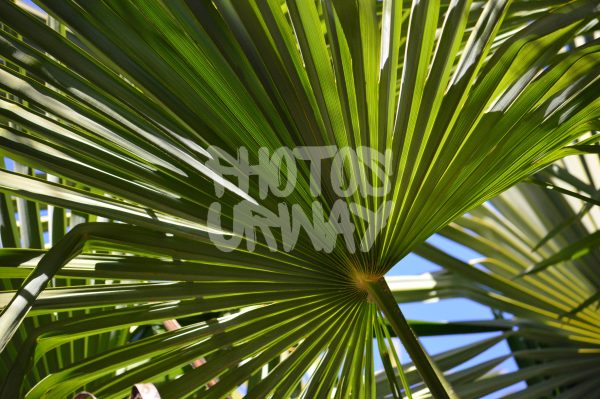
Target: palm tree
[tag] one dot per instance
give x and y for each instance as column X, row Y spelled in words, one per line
column 117, row 114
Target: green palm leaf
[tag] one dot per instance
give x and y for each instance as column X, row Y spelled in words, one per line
column 127, row 105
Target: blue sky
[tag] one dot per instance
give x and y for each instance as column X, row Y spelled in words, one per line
column 452, row 310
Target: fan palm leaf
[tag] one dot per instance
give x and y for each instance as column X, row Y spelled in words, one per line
column 129, row 104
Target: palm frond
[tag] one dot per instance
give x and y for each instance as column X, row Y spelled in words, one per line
column 129, row 106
